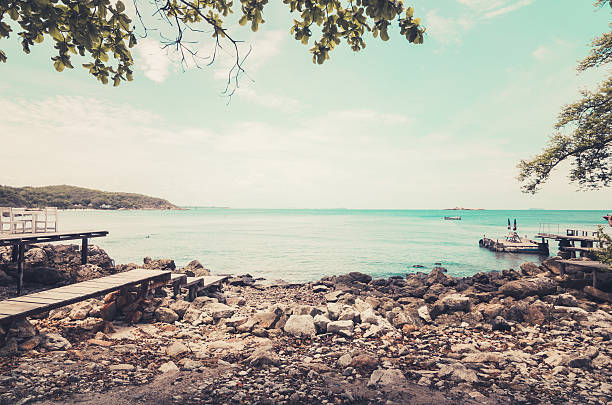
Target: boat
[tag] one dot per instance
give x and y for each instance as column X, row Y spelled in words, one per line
column 452, row 218
column 514, row 243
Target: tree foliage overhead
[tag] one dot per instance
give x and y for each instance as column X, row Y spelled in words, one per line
column 589, row 144
column 100, row 29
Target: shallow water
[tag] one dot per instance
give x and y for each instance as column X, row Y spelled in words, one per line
column 301, row 245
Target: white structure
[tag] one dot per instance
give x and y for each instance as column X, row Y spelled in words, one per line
column 26, row 220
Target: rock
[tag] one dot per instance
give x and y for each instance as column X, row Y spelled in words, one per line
column 236, row 321
column 368, row 316
column 88, row 271
column 80, row 310
column 423, row 312
column 482, row 357
column 180, row 307
column 565, row 300
column 520, row 289
column 353, row 277
column 579, row 361
column 23, row 329
column 266, row 319
column 219, row 311
column 166, row 315
column 5, row 279
column 597, row 294
column 159, row 264
column 300, row 326
column 191, row 314
column 10, row 348
column 456, row 302
column 344, row 361
column 551, row 264
column 334, row 295
column 364, row 360
column 343, row 328
column 500, row 324
column 334, row 310
column 108, row 311
column 319, row 288
column 176, row 348
column 36, row 257
column 235, row 301
column 530, row 269
column 438, row 276
column 121, row 367
column 45, row 275
column 30, row 344
column 168, row 367
column 389, row 378
column 55, row 341
column 321, row 322
column 263, row 356
column 349, row 313
column 457, row 372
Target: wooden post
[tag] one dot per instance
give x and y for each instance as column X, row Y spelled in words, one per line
column 20, row 252
column 594, row 278
column 84, row 251
column 15, row 253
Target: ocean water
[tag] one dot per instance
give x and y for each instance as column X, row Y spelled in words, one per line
column 302, row 245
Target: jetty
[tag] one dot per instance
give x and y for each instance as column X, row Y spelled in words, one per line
column 573, row 242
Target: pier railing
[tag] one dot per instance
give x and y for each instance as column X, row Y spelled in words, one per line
column 27, row 220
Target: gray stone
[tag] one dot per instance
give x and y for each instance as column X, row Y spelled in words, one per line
column 321, row 322
column 168, row 367
column 369, row 316
column 121, row 367
column 176, row 348
column 520, row 289
column 423, row 312
column 334, row 310
column 55, row 341
column 263, row 356
column 167, row 315
column 219, row 311
column 344, row 361
column 300, row 326
column 343, row 328
column 457, row 372
column 456, row 302
column 389, row 378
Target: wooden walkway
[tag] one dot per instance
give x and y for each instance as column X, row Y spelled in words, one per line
column 20, row 307
column 590, row 265
column 20, row 241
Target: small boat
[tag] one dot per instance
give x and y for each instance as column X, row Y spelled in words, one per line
column 452, row 218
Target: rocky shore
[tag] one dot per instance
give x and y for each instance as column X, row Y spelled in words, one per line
column 519, row 336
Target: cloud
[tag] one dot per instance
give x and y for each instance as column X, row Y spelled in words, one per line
column 508, row 9
column 153, row 60
column 541, row 53
column 269, row 100
column 259, row 49
column 450, row 30
column 447, row 30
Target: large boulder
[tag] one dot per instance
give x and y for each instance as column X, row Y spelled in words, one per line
column 353, row 277
column 438, row 276
column 386, row 378
column 167, row 315
column 5, row 279
column 520, row 289
column 45, row 275
column 300, row 326
column 456, row 302
column 158, row 264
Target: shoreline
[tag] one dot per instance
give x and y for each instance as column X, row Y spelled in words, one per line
column 525, row 336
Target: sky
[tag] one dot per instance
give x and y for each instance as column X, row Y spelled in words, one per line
column 397, row 125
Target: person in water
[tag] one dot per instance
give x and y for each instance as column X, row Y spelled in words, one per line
column 608, row 218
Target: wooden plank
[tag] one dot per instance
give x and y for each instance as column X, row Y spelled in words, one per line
column 210, row 280
column 193, row 281
column 28, row 239
column 20, row 307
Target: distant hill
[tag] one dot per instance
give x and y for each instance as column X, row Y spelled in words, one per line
column 69, row 197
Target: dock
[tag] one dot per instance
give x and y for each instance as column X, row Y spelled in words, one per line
column 37, row 303
column 21, row 240
column 588, row 241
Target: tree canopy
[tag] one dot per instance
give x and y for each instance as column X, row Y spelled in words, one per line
column 101, row 29
column 588, row 145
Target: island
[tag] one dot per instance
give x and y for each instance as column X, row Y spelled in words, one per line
column 71, row 197
column 463, row 209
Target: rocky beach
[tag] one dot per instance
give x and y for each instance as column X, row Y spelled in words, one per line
column 521, row 336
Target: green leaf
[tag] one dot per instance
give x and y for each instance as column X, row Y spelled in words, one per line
column 59, row 66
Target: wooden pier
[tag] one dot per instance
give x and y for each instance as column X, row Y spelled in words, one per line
column 20, row 241
column 32, row 304
column 588, row 242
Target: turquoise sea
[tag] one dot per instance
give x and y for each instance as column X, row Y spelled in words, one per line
column 301, row 244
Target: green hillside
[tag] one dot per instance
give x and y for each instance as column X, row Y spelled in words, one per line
column 65, row 197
